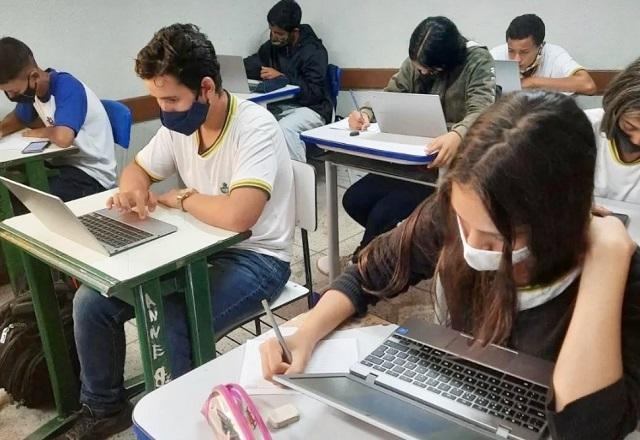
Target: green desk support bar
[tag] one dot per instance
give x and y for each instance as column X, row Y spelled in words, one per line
column 198, row 300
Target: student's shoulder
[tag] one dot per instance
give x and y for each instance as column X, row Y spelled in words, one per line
column 632, row 294
column 64, row 81
column 594, row 115
column 478, row 55
column 250, row 115
column 554, row 51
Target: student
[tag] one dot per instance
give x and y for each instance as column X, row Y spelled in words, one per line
column 617, row 130
column 294, row 55
column 441, row 61
column 233, row 159
column 542, row 65
column 59, row 107
column 518, row 261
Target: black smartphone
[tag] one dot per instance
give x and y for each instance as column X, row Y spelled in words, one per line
column 36, row 147
column 624, row 218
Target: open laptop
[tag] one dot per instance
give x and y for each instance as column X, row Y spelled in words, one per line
column 507, row 76
column 427, row 381
column 106, row 231
column 234, row 75
column 410, row 114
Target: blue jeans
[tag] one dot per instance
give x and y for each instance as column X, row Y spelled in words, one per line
column 294, row 120
column 239, row 280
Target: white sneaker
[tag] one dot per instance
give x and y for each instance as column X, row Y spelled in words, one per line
column 323, row 264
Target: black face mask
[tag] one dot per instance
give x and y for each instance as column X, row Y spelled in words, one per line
column 26, row 97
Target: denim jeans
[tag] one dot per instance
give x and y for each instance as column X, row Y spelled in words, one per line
column 239, row 280
column 294, row 120
column 73, row 183
column 379, row 203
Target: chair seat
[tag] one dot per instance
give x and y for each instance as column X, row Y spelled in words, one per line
column 289, row 294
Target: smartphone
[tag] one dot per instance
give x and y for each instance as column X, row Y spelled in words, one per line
column 36, row 147
column 624, row 218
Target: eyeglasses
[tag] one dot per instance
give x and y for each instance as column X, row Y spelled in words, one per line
column 232, row 414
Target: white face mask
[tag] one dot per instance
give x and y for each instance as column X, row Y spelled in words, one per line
column 483, row 260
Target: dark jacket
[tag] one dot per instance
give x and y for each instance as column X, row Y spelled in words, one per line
column 304, row 65
column 606, row 414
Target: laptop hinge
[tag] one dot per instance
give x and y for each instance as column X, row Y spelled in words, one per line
column 371, row 379
column 502, row 432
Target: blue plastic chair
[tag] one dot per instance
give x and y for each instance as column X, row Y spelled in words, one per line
column 334, row 77
column 120, row 119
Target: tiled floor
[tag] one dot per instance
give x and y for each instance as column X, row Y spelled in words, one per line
column 18, row 422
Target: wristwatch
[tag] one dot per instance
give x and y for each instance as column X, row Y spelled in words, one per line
column 184, row 194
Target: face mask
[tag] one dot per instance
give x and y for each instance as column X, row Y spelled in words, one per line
column 483, row 260
column 188, row 121
column 279, row 41
column 27, row 97
column 534, row 66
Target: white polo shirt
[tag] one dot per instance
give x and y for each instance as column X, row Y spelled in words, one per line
column 614, row 178
column 555, row 63
column 250, row 152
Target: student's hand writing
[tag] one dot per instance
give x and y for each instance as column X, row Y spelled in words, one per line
column 447, row 146
column 600, row 210
column 139, row 201
column 358, row 121
column 608, row 238
column 271, row 355
column 269, row 73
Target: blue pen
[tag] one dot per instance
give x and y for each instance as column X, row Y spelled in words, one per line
column 355, row 104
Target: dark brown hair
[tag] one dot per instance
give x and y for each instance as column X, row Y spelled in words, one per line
column 15, row 57
column 182, row 51
column 622, row 96
column 530, row 158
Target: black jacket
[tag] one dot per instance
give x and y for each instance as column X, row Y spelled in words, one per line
column 304, row 65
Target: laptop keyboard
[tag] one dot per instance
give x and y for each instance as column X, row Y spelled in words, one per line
column 484, row 389
column 112, row 232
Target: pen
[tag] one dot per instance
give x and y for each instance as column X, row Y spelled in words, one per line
column 355, row 104
column 287, row 353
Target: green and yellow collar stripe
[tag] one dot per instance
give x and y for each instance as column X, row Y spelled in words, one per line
column 613, row 148
column 253, row 183
column 153, row 177
column 232, row 106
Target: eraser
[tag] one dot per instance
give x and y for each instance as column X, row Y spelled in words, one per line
column 282, row 416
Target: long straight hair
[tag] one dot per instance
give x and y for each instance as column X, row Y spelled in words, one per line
column 530, row 158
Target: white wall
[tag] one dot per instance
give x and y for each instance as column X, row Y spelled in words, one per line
column 98, row 40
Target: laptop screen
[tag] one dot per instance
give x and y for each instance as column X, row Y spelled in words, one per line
column 385, row 409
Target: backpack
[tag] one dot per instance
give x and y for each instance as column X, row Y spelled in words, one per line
column 23, row 368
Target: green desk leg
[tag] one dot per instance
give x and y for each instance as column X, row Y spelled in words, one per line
column 45, row 304
column 151, row 332
column 37, row 175
column 10, row 253
column 198, row 300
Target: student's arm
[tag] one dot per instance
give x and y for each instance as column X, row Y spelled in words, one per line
column 253, row 63
column 71, row 112
column 312, row 78
column 580, row 82
column 595, row 381
column 238, row 212
column 375, row 272
column 10, row 124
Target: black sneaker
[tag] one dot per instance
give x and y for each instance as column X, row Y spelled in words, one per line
column 88, row 427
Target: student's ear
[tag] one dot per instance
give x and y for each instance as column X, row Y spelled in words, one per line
column 208, row 86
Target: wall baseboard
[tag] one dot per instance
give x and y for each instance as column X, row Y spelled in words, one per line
column 145, row 108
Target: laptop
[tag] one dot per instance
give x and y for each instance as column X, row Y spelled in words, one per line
column 410, row 114
column 508, row 76
column 106, row 231
column 234, row 75
column 427, row 381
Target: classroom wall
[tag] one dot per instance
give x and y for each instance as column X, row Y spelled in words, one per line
column 97, row 41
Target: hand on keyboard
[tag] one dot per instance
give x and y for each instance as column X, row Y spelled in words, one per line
column 140, row 201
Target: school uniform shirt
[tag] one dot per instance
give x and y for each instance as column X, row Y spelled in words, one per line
column 250, row 152
column 614, row 178
column 72, row 104
column 539, row 328
column 555, row 63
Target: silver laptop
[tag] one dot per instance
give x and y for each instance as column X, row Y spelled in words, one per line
column 508, row 76
column 409, row 113
column 106, row 231
column 426, row 381
column 234, row 75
